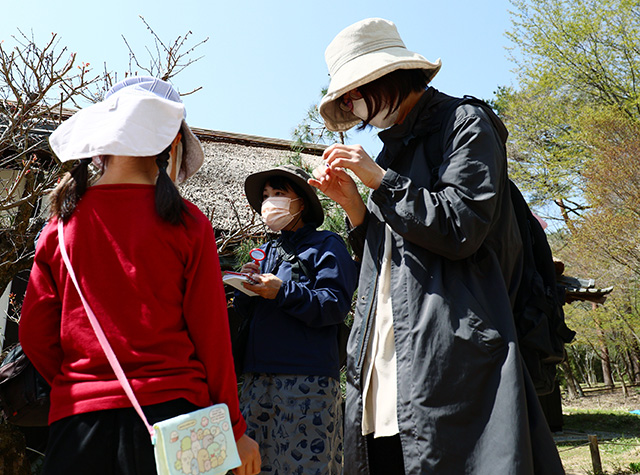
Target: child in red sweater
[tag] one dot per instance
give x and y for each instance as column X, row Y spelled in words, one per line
column 147, row 263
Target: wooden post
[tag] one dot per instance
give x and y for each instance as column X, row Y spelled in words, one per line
column 595, row 455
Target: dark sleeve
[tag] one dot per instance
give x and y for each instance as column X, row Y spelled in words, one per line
column 455, row 217
column 357, row 235
column 244, row 304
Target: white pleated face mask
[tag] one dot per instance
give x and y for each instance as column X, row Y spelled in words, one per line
column 276, row 214
column 381, row 120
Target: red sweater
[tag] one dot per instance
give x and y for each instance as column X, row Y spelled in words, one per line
column 156, row 290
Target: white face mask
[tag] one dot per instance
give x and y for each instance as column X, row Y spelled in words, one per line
column 275, row 212
column 178, row 162
column 381, row 120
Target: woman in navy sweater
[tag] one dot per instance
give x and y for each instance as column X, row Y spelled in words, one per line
column 291, row 396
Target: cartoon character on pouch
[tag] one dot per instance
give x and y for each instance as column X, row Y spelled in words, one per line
column 201, row 450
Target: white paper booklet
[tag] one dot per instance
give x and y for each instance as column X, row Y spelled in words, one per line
column 235, row 279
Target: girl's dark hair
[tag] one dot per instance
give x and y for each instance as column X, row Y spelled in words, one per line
column 282, row 183
column 169, row 203
column 72, row 186
column 392, row 88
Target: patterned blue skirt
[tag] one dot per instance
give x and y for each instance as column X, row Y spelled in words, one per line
column 296, row 420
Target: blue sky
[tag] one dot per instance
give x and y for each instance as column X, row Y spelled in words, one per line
column 263, row 64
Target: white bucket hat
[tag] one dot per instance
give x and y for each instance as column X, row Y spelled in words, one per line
column 139, row 117
column 359, row 54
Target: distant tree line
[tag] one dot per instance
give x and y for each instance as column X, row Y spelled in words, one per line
column 574, row 122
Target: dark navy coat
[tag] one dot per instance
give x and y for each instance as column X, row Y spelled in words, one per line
column 465, row 403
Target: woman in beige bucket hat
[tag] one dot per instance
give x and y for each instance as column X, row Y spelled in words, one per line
column 435, row 380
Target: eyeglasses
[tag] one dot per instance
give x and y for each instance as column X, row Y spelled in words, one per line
column 346, row 101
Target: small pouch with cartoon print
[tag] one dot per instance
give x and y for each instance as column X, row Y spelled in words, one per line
column 201, row 441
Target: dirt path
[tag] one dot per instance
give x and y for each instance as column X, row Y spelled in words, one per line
column 606, row 400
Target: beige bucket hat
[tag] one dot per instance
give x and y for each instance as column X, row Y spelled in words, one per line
column 139, row 117
column 359, row 54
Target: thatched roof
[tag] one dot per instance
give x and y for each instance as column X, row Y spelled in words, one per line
column 218, row 187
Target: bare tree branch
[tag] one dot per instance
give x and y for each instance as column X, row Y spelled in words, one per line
column 37, row 81
column 168, row 59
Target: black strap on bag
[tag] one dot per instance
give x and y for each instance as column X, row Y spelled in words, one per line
column 287, row 253
column 239, row 345
column 24, row 394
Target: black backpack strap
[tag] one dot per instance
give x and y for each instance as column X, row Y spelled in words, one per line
column 287, row 253
column 434, row 125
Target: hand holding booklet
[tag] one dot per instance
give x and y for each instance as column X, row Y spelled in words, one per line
column 235, row 279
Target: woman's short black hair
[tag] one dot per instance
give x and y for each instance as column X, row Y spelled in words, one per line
column 392, row 88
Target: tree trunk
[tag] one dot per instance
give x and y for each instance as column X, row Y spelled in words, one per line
column 591, row 370
column 605, row 360
column 634, row 351
column 574, row 391
column 578, row 364
column 628, row 365
column 625, row 391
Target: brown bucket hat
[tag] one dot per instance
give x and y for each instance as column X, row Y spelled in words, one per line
column 254, row 184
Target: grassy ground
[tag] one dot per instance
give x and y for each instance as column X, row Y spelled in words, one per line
column 606, row 415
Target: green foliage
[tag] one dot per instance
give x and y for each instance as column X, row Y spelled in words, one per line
column 604, row 242
column 577, row 48
column 574, row 122
column 612, row 326
column 572, row 57
column 312, row 129
column 611, row 228
column 546, row 156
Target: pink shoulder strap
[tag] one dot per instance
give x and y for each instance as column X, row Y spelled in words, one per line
column 102, row 339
